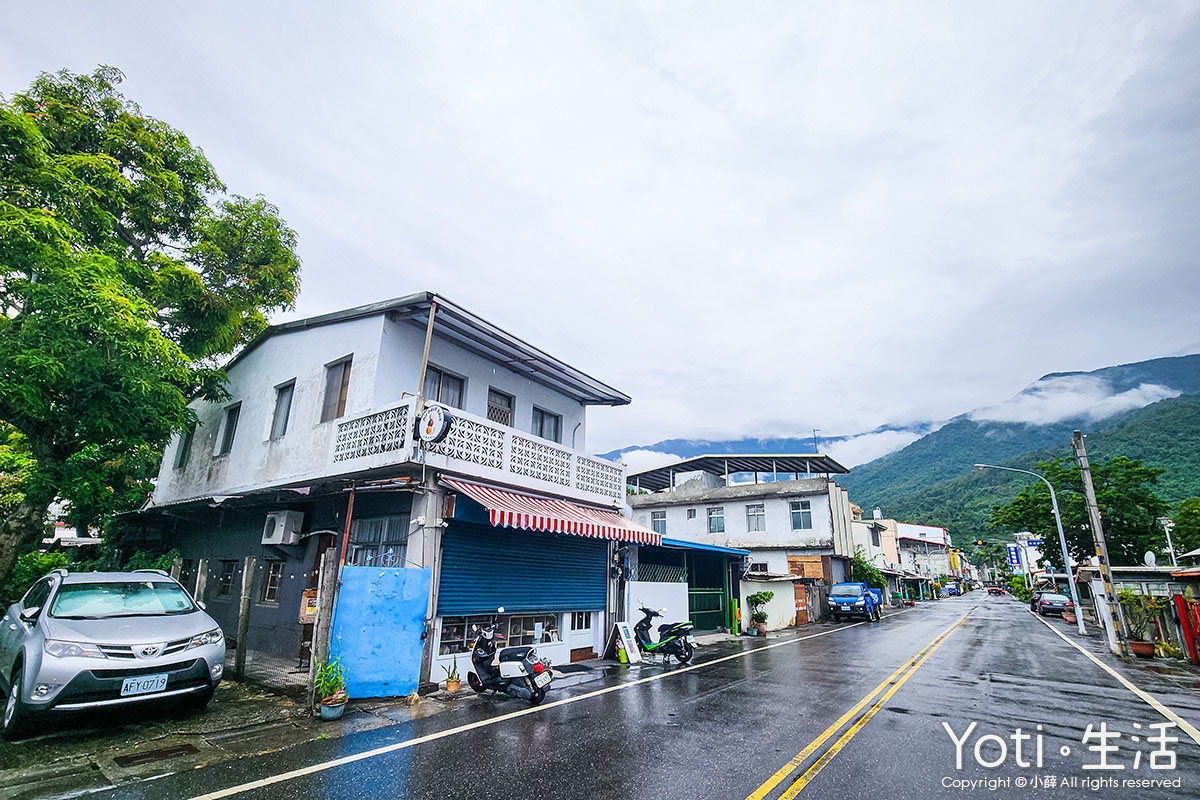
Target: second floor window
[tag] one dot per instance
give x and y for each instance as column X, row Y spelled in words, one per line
column 756, row 517
column 801, row 515
column 716, row 520
column 658, row 521
column 283, row 409
column 184, row 451
column 443, row 387
column 500, row 407
column 547, row 425
column 229, row 429
column 337, row 385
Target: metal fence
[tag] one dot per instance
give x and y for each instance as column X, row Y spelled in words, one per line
column 660, row 573
column 265, row 645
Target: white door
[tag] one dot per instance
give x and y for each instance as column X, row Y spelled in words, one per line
column 580, row 634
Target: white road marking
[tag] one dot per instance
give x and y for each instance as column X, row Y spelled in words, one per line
column 391, row 748
column 1149, row 699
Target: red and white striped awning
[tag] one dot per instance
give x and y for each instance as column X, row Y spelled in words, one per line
column 512, row 510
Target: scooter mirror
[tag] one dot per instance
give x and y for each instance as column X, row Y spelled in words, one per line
column 662, row 611
column 641, row 602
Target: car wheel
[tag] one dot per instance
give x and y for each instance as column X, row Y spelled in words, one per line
column 837, row 617
column 18, row 719
column 878, row 614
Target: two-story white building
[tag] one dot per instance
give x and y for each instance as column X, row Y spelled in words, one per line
column 794, row 527
column 316, row 447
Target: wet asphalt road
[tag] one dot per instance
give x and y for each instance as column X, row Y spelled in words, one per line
column 728, row 724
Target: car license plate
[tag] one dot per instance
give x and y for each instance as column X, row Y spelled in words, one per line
column 143, row 684
column 542, row 678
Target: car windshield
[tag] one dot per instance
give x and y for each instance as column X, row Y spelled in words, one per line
column 848, row 590
column 121, row 599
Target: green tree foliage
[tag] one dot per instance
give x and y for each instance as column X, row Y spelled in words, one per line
column 29, row 568
column 1186, row 532
column 127, row 270
column 1129, row 509
column 1016, row 586
column 863, row 571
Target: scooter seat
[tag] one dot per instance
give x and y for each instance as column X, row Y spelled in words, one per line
column 515, row 653
column 667, row 626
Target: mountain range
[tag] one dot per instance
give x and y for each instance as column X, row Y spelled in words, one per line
column 1149, row 410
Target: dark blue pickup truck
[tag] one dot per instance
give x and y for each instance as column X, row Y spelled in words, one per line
column 855, row 600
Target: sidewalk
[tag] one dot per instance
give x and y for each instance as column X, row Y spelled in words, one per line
column 1174, row 682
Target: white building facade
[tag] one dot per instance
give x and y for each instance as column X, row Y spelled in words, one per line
column 325, row 409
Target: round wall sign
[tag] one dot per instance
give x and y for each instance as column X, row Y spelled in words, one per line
column 434, row 424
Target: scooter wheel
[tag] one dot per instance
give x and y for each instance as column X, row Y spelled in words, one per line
column 685, row 653
column 475, row 684
column 539, row 694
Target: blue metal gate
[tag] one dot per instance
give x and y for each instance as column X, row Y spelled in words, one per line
column 377, row 629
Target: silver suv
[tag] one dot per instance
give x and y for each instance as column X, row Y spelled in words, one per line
column 88, row 640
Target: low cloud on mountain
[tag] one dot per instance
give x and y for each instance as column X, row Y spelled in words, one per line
column 866, row 447
column 1071, row 397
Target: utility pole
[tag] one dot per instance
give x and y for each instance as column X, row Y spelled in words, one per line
column 1115, row 638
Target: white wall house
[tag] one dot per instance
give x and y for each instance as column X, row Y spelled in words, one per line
column 794, row 528
column 322, row 406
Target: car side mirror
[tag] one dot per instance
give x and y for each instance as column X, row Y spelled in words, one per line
column 30, row 615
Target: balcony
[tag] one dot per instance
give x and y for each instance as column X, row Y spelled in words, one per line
column 480, row 449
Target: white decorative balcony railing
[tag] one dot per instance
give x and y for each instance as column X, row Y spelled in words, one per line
column 478, row 448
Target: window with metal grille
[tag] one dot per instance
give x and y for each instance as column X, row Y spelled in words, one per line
column 283, row 409
column 758, row 566
column 500, row 407
column 225, row 578
column 187, row 573
column 756, row 517
column 444, row 388
column 691, row 513
column 658, row 521
column 581, row 621
column 378, row 541
column 546, row 425
column 801, row 515
column 272, row 578
column 716, row 520
column 229, row 429
column 337, row 386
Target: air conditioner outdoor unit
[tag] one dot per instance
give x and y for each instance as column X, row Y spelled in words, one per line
column 283, row 527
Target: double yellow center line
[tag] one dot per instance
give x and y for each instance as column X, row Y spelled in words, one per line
column 889, row 687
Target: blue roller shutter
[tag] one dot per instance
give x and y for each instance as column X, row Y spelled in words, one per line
column 485, row 567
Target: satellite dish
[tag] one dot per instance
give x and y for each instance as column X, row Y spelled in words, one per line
column 1150, row 559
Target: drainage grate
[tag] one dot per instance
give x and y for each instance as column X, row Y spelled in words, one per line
column 134, row 759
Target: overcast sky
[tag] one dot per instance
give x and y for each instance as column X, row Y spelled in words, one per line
column 756, row 219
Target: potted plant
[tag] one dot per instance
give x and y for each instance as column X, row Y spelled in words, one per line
column 453, row 681
column 1140, row 611
column 330, row 685
column 1068, row 614
column 758, row 617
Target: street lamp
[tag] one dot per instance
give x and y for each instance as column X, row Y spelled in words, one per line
column 1168, row 525
column 1062, row 539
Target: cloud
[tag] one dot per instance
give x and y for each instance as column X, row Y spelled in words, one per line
column 1071, row 397
column 638, row 460
column 755, row 219
column 857, row 450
